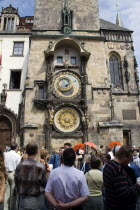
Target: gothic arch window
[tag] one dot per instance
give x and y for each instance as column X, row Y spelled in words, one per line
column 115, row 69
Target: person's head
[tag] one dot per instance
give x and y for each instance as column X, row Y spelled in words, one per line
column 109, row 149
column 124, row 155
column 2, row 166
column 107, row 158
column 95, row 163
column 43, row 153
column 61, row 150
column 135, row 153
column 69, row 157
column 31, row 149
column 115, row 150
column 101, row 146
column 14, row 146
column 94, row 152
column 67, row 145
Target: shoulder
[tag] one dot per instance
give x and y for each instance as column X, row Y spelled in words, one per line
column 53, row 156
column 112, row 167
column 18, row 156
column 40, row 165
column 77, row 172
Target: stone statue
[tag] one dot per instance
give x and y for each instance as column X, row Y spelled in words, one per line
column 127, row 75
column 51, row 115
column 136, row 76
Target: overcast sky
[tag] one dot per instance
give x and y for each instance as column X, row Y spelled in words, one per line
column 128, row 9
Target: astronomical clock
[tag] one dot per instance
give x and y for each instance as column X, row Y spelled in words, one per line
column 66, row 102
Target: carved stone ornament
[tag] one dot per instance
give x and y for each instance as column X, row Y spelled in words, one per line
column 127, row 75
column 135, row 63
column 51, row 116
column 50, row 45
column 10, row 10
column 85, row 120
column 137, row 76
column 125, row 62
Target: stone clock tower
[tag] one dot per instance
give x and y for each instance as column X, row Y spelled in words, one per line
column 68, row 94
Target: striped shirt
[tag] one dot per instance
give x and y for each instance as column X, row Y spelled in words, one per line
column 119, row 189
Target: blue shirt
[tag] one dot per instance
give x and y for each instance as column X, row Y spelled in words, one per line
column 136, row 169
column 55, row 160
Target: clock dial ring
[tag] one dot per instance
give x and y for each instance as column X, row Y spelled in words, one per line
column 66, row 85
column 67, row 120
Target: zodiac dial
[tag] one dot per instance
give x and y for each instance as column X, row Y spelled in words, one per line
column 67, row 119
column 66, row 85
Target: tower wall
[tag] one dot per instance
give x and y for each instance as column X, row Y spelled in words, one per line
column 48, row 14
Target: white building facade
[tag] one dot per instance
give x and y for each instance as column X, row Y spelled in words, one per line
column 14, row 53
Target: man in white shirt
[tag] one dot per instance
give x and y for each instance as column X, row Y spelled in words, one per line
column 67, row 187
column 11, row 159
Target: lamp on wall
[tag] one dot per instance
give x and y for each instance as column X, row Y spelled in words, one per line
column 5, row 86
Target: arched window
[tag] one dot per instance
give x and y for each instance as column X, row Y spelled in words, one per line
column 115, row 70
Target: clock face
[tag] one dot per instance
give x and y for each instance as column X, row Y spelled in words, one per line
column 67, row 120
column 66, row 85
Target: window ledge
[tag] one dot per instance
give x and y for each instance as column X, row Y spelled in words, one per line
column 16, row 55
column 14, row 90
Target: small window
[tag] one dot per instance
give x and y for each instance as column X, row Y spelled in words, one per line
column 59, row 59
column 29, row 20
column 18, row 48
column 73, row 60
column 15, row 80
column 41, row 92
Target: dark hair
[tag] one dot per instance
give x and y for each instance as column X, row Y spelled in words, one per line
column 95, row 162
column 67, row 144
column 124, row 151
column 101, row 146
column 31, row 148
column 69, row 157
column 13, row 146
column 61, row 148
column 107, row 157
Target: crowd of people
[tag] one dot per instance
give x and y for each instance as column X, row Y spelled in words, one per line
column 103, row 179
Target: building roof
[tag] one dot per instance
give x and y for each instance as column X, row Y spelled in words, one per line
column 106, row 25
column 9, row 10
column 23, row 20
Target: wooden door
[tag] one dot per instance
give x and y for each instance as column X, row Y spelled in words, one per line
column 5, row 132
column 126, row 138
